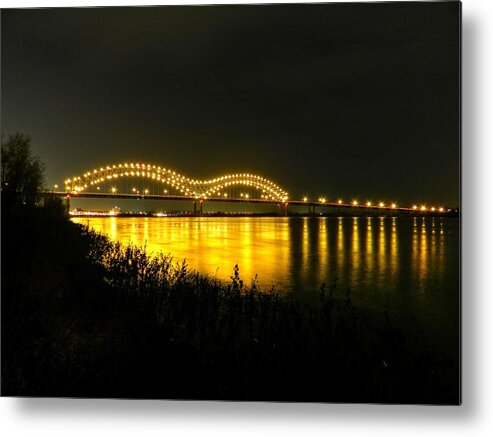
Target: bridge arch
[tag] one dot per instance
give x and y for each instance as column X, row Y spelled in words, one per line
column 194, row 188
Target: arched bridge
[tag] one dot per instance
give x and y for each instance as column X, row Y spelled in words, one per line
column 165, row 182
column 136, row 180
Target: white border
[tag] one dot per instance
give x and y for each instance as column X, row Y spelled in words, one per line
column 61, row 417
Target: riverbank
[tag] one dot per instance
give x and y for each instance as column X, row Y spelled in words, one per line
column 85, row 317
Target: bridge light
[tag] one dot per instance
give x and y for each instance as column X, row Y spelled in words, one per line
column 355, row 202
column 415, row 206
column 97, row 188
column 247, row 196
column 305, row 199
column 440, row 209
column 433, row 208
column 165, row 191
column 55, row 186
column 134, row 189
column 339, row 201
column 381, row 204
column 423, row 208
column 393, row 205
column 368, row 203
column 113, row 190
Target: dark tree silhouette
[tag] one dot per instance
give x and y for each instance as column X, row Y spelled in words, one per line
column 22, row 173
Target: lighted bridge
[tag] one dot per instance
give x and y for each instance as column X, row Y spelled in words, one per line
column 149, row 181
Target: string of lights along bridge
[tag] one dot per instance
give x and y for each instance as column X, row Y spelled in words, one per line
column 138, row 180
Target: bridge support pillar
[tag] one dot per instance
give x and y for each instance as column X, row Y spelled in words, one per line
column 200, row 211
column 66, row 203
column 283, row 209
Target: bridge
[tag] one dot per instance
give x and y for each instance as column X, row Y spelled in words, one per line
column 136, row 180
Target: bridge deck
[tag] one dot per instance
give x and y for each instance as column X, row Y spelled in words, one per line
column 223, row 199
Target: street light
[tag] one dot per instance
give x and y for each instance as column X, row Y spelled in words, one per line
column 305, row 199
column 339, row 201
column 368, row 203
column 381, row 204
column 393, row 205
column 355, row 202
column 113, row 190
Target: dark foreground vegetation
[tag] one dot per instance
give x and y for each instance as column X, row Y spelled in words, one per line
column 83, row 317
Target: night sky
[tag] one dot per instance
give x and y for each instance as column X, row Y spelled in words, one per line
column 345, row 100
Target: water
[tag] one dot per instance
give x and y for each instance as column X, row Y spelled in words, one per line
column 406, row 266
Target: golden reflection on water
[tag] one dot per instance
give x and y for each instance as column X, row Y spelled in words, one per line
column 323, row 250
column 423, row 251
column 369, row 255
column 382, row 254
column 340, row 245
column 372, row 252
column 355, row 251
column 305, row 248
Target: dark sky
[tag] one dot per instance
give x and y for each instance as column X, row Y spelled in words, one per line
column 351, row 100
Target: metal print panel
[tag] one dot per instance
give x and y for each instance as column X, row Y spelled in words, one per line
column 236, row 202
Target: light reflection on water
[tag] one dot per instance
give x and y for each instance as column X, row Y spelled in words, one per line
column 409, row 265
